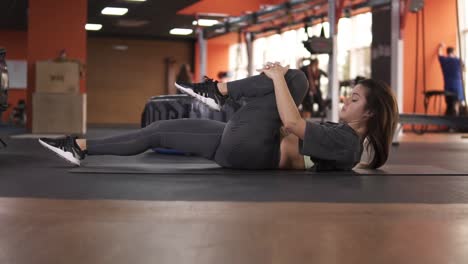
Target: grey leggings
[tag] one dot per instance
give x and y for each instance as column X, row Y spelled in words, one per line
column 249, row 140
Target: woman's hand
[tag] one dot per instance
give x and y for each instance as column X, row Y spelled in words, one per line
column 273, row 70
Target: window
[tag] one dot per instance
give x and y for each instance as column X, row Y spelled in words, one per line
column 354, row 41
column 238, row 61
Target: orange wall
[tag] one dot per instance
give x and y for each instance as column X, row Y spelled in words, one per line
column 220, row 61
column 217, row 55
column 217, row 60
column 120, row 82
column 440, row 26
column 15, row 43
column 54, row 25
column 63, row 29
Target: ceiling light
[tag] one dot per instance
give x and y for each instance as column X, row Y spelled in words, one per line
column 114, row 11
column 213, row 14
column 120, row 47
column 181, row 31
column 135, row 0
column 205, row 22
column 93, row 27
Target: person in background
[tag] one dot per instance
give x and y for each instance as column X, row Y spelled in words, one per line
column 18, row 114
column 224, row 76
column 63, row 57
column 314, row 94
column 452, row 68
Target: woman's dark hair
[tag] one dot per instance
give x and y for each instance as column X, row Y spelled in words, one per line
column 184, row 75
column 381, row 125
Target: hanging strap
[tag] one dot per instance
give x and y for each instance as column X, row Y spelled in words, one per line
column 322, row 31
column 3, row 143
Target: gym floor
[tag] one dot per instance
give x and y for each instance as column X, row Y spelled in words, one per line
column 175, row 209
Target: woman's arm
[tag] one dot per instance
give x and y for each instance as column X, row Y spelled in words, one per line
column 287, row 109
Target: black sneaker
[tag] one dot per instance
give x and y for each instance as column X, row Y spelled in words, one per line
column 207, row 92
column 65, row 147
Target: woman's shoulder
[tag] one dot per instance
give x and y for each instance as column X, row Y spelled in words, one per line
column 342, row 129
column 330, row 131
column 339, row 125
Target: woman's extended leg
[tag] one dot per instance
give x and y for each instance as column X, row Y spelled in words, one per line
column 197, row 136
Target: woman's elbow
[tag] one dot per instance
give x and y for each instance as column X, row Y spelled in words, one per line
column 296, row 127
column 290, row 126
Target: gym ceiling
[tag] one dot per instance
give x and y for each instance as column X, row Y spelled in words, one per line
column 149, row 19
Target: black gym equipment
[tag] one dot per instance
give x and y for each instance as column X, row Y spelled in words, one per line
column 3, row 86
column 166, row 107
column 3, row 81
column 455, row 122
column 318, row 44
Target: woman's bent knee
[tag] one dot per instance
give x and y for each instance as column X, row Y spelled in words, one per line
column 298, row 84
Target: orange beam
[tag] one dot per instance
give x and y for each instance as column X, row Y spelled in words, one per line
column 231, row 8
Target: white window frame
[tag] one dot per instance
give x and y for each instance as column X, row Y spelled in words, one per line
column 287, row 48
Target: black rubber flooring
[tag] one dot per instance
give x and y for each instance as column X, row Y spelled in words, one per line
column 416, row 173
column 157, row 164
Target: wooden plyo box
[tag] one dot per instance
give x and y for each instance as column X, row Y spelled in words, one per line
column 59, row 113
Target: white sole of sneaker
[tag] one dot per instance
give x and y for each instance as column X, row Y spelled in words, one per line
column 205, row 100
column 64, row 155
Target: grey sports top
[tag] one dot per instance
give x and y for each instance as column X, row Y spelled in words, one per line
column 331, row 146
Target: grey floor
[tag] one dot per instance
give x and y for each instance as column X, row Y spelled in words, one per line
column 427, row 171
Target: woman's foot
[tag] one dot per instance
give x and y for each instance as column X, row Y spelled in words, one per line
column 206, row 92
column 65, row 147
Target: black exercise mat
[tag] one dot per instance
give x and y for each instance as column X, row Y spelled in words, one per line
column 29, row 170
column 152, row 163
column 39, row 174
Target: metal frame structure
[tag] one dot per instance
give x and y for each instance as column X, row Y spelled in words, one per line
column 296, row 12
column 399, row 9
